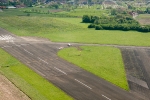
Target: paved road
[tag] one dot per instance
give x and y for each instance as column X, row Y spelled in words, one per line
column 78, row 83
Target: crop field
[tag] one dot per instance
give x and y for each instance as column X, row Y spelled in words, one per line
column 105, row 62
column 39, row 89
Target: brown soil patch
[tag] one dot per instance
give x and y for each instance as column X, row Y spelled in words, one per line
column 8, row 91
column 145, row 21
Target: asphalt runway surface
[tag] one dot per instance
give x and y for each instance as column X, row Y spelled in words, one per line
column 41, row 56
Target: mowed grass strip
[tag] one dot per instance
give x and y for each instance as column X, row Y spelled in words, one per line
column 105, row 62
column 32, row 84
column 70, row 30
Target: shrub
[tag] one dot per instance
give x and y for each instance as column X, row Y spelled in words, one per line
column 144, row 29
column 91, row 26
column 126, row 28
column 86, row 19
column 94, row 18
column 98, row 27
column 28, row 14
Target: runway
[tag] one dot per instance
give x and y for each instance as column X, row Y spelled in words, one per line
column 42, row 57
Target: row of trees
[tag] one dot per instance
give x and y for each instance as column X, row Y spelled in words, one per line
column 118, row 22
column 145, row 28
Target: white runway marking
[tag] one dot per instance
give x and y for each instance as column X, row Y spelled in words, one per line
column 27, row 51
column 106, row 97
column 60, row 70
column 6, row 37
column 83, row 84
column 42, row 60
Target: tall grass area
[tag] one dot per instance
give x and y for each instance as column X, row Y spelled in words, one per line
column 88, row 11
column 105, row 62
column 32, row 84
column 70, row 30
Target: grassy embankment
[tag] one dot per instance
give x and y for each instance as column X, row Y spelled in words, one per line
column 71, row 30
column 105, row 62
column 36, row 87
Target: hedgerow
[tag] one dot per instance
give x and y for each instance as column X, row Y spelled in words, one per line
column 118, row 22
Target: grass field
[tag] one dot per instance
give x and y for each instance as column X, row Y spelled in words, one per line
column 105, row 62
column 70, row 30
column 36, row 87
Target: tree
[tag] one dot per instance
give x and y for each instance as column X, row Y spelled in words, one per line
column 148, row 10
column 86, row 19
column 98, row 27
column 113, row 12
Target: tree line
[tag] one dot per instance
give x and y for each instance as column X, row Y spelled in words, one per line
column 118, row 22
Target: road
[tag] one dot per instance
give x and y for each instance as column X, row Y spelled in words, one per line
column 41, row 56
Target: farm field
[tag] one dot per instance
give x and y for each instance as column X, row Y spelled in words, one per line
column 22, row 77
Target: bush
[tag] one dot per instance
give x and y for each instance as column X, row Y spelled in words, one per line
column 91, row 26
column 126, row 28
column 98, row 27
column 28, row 14
column 86, row 19
column 94, row 18
column 144, row 29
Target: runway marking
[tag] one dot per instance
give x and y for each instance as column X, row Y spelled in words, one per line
column 60, row 70
column 6, row 37
column 83, row 84
column 43, row 60
column 27, row 51
column 106, row 97
column 15, row 45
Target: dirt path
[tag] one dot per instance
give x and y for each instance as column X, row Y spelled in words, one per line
column 10, row 92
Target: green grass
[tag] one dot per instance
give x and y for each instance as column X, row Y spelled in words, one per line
column 105, row 62
column 70, row 30
column 88, row 11
column 32, row 84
